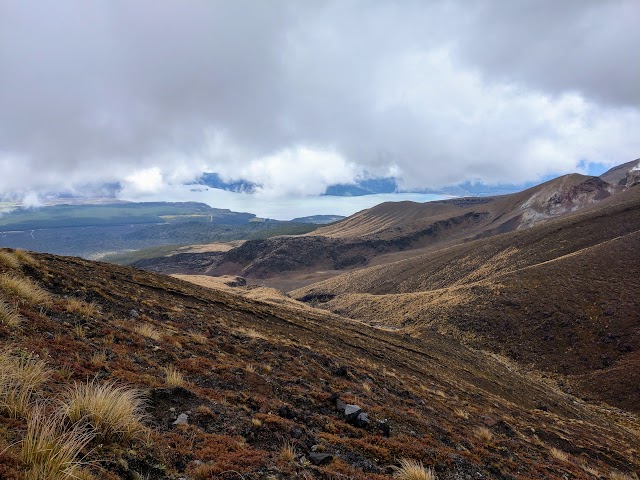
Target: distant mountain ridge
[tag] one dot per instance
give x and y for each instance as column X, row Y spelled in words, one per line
column 369, row 186
column 394, row 227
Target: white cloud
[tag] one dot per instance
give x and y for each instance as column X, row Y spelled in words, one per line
column 144, row 181
column 298, row 171
column 296, row 95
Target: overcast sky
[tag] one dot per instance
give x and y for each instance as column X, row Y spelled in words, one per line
column 297, row 95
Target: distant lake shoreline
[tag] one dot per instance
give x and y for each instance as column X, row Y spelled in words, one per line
column 279, row 208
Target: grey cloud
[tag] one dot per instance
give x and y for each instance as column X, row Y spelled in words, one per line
column 440, row 92
column 584, row 45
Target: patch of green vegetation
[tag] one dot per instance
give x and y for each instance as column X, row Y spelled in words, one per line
column 117, row 214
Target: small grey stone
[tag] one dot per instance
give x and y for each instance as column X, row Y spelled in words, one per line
column 134, row 314
column 320, row 458
column 352, row 410
column 183, row 419
column 362, row 420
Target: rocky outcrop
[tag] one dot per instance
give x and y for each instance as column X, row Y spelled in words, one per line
column 180, row 263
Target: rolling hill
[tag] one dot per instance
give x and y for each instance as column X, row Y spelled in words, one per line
column 563, row 295
column 394, row 230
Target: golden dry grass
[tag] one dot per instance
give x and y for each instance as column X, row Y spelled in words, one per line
column 50, row 451
column 559, row 454
column 483, row 434
column 25, row 257
column 8, row 315
column 147, row 330
column 98, row 359
column 79, row 331
column 413, row 470
column 24, row 289
column 199, row 337
column 620, row 476
column 250, row 332
column 173, row 377
column 9, row 260
column 20, row 378
column 288, row 453
column 262, row 294
column 256, row 422
column 114, row 411
column 82, row 308
column 589, row 469
column 460, row 413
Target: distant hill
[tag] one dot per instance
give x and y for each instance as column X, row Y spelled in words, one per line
column 101, row 230
column 618, row 174
column 406, row 227
column 121, row 213
column 563, row 295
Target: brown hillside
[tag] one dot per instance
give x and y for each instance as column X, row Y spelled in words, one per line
column 564, row 296
column 615, row 175
column 504, row 213
column 244, row 379
column 390, row 228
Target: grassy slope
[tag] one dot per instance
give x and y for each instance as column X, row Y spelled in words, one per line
column 564, row 296
column 500, row 213
column 259, row 375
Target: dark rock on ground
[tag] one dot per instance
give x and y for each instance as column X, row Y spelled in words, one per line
column 320, row 458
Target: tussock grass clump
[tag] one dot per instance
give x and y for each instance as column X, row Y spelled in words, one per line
column 589, row 469
column 147, row 330
column 288, row 453
column 461, row 413
column 9, row 260
column 25, row 257
column 559, row 454
column 114, row 411
column 98, row 359
column 413, row 470
column 20, row 378
column 24, row 289
column 256, row 422
column 251, row 332
column 79, row 331
column 80, row 307
column 483, row 434
column 49, row 450
column 199, row 337
column 173, row 377
column 8, row 315
column 619, row 476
